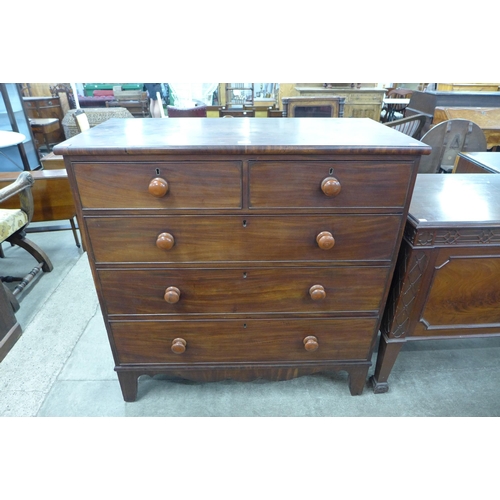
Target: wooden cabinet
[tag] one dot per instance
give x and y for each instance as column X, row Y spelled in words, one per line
column 446, row 282
column 240, row 249
column 365, row 102
column 46, row 107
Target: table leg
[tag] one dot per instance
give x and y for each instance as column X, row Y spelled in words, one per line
column 387, row 354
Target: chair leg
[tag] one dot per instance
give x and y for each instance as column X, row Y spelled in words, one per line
column 2, row 255
column 20, row 239
column 75, row 234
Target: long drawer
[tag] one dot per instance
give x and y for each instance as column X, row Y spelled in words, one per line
column 196, row 185
column 243, row 341
column 243, row 291
column 243, row 239
column 293, row 184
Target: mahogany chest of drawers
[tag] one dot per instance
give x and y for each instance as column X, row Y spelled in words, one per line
column 447, row 280
column 241, row 248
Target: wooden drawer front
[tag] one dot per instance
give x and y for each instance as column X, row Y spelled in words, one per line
column 243, row 341
column 365, row 98
column 235, row 291
column 190, row 185
column 242, row 239
column 282, row 184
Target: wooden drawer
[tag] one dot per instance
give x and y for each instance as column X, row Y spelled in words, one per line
column 242, row 238
column 282, row 184
column 244, row 291
column 238, row 341
column 190, row 186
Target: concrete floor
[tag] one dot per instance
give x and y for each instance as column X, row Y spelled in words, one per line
column 62, row 366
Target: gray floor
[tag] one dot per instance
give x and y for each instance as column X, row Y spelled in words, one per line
column 62, row 366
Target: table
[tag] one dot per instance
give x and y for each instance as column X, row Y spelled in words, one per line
column 446, row 284
column 44, row 126
column 9, row 138
column 488, row 119
column 241, row 248
column 478, row 163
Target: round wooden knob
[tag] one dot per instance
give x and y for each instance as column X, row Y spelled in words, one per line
column 317, row 292
column 325, row 240
column 172, row 295
column 158, row 187
column 331, row 186
column 165, row 241
column 311, row 343
column 178, row 346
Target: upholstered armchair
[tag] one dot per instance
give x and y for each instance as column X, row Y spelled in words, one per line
column 13, row 223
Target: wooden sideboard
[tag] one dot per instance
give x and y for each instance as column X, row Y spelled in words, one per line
column 478, row 163
column 241, row 248
column 365, row 102
column 446, row 282
column 426, row 102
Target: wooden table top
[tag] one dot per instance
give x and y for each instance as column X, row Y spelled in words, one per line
column 453, row 199
column 488, row 160
column 486, row 118
column 242, row 136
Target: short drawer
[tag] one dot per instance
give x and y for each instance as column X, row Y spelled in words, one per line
column 242, row 238
column 189, row 185
column 283, row 184
column 243, row 291
column 243, row 341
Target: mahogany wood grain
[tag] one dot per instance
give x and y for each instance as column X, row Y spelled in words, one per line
column 253, row 290
column 122, row 185
column 446, row 282
column 242, row 291
column 243, row 238
column 243, row 340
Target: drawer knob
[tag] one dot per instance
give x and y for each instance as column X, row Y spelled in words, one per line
column 172, row 295
column 325, row 240
column 178, row 346
column 165, row 241
column 317, row 292
column 158, row 187
column 311, row 343
column 331, row 186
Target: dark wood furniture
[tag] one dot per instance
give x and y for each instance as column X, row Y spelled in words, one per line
column 46, row 107
column 478, row 163
column 487, row 119
column 138, row 108
column 446, row 284
column 10, row 329
column 13, row 224
column 313, row 107
column 242, row 248
column 42, row 128
column 236, row 112
column 52, row 197
column 426, row 102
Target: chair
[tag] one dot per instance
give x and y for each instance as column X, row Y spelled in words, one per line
column 197, row 111
column 447, row 139
column 13, row 223
column 395, row 111
column 236, row 112
column 81, row 120
column 411, row 125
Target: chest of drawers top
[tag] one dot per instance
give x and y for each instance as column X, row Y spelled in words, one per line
column 241, row 136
